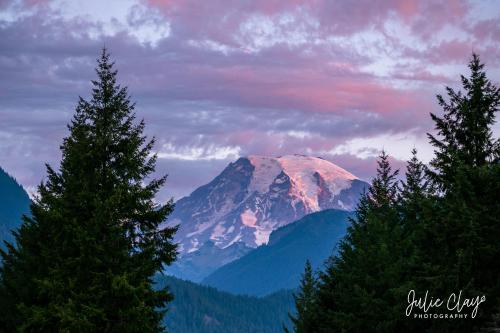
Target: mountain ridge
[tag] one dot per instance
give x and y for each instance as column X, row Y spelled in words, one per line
column 279, row 264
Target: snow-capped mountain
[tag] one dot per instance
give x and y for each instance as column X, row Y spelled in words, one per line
column 256, row 195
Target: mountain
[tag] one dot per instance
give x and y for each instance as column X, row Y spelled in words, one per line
column 14, row 202
column 280, row 263
column 201, row 309
column 251, row 198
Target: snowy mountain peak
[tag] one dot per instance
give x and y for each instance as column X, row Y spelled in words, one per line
column 257, row 194
column 304, row 172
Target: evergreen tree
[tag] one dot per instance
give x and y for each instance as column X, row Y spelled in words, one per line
column 464, row 131
column 414, row 188
column 415, row 204
column 84, row 261
column 439, row 232
column 304, row 320
column 465, row 226
column 384, row 188
column 357, row 290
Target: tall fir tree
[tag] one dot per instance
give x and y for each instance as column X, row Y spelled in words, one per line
column 415, row 204
column 465, row 226
column 415, row 188
column 85, row 260
column 464, row 132
column 383, row 190
column 357, row 289
column 304, row 321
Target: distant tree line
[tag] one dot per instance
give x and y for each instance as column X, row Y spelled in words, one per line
column 201, row 309
column 438, row 230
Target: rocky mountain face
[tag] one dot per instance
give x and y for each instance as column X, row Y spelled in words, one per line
column 253, row 197
column 256, row 195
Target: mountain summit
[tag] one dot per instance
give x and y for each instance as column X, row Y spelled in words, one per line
column 256, row 195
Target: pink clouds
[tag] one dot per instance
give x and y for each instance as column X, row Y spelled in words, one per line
column 450, row 50
column 304, row 34
column 265, row 77
column 487, row 29
column 341, row 17
column 309, row 89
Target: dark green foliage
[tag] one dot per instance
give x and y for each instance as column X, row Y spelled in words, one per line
column 14, row 202
column 305, row 303
column 85, row 259
column 465, row 135
column 201, row 309
column 465, row 227
column 439, row 231
column 364, row 280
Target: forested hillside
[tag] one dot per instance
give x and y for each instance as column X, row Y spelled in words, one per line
column 201, row 309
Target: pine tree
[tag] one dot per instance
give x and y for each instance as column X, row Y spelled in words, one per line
column 465, row 133
column 415, row 188
column 465, row 227
column 415, row 205
column 383, row 190
column 304, row 321
column 85, row 260
column 356, row 291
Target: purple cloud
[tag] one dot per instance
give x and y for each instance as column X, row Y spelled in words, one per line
column 216, row 81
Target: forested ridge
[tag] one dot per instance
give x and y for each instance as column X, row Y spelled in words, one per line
column 199, row 309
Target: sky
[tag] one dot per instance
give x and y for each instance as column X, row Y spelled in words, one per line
column 217, row 80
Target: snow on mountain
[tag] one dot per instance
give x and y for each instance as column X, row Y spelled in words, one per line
column 256, row 195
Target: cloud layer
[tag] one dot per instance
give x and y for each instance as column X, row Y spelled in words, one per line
column 338, row 79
